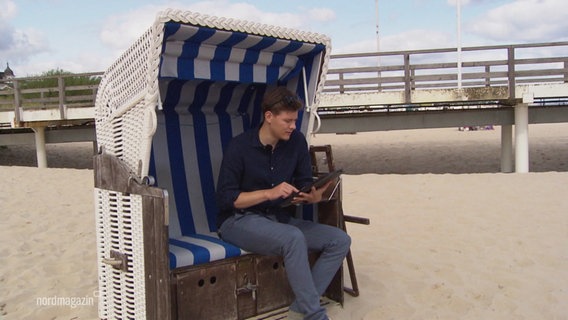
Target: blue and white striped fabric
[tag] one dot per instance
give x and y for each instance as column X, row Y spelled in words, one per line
column 211, row 86
column 196, row 52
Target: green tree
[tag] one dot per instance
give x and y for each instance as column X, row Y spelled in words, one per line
column 50, row 80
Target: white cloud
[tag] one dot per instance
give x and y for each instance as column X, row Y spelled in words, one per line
column 245, row 11
column 523, row 21
column 321, row 14
column 8, row 11
column 6, row 36
column 465, row 2
column 18, row 45
column 28, row 42
column 418, row 39
column 454, row 2
column 121, row 30
column 411, row 40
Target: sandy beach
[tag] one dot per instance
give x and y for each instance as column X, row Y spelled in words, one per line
column 450, row 236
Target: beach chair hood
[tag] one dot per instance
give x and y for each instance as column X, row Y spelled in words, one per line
column 185, row 46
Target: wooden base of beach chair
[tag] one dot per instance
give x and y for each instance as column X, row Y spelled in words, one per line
column 236, row 288
column 202, row 292
column 273, row 288
column 242, row 287
column 233, row 288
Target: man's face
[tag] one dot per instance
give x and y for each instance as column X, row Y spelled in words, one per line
column 283, row 124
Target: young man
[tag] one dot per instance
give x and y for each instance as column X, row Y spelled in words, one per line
column 260, row 168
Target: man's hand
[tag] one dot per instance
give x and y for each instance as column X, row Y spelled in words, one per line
column 252, row 198
column 283, row 190
column 314, row 196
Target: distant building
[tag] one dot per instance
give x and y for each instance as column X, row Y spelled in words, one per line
column 5, row 75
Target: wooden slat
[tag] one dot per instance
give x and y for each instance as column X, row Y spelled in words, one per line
column 111, row 174
column 273, row 289
column 539, row 73
column 207, row 292
column 373, row 69
column 156, row 261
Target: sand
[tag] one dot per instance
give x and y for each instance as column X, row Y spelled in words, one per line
column 450, row 237
column 481, row 246
column 47, row 243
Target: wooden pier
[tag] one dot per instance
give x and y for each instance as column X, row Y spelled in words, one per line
column 509, row 86
column 50, row 109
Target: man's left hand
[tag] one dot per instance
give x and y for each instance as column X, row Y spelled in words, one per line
column 314, row 196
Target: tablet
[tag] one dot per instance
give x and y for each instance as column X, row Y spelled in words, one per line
column 318, row 183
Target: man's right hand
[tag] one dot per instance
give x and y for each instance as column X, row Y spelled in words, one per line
column 249, row 199
column 283, row 190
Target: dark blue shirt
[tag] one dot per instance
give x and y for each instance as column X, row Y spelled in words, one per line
column 249, row 166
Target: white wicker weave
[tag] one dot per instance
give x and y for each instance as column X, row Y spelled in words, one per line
column 119, row 228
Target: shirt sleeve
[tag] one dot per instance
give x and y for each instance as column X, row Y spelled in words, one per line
column 303, row 174
column 228, row 185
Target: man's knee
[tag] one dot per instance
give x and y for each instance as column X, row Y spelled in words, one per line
column 295, row 240
column 342, row 242
column 346, row 242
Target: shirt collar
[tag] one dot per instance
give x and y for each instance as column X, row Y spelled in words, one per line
column 255, row 138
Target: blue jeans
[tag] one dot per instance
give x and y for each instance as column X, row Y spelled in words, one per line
column 263, row 234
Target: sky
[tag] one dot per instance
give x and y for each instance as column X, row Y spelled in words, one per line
column 88, row 36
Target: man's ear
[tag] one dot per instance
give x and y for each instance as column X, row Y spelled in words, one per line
column 268, row 115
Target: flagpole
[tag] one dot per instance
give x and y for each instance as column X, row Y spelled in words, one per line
column 378, row 41
column 459, row 44
column 377, row 24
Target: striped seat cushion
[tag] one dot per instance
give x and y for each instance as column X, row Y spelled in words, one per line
column 197, row 248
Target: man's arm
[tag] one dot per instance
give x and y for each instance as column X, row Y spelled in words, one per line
column 249, row 199
column 229, row 193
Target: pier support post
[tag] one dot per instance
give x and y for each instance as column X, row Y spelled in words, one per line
column 506, row 148
column 39, row 134
column 522, row 138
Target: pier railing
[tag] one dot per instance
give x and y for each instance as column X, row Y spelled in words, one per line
column 57, row 92
column 481, row 67
column 487, row 67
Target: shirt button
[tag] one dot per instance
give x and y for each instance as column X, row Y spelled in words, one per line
column 272, row 184
column 271, row 168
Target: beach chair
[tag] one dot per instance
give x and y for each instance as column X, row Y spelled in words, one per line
column 165, row 111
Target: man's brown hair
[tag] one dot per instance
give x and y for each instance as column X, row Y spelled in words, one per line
column 280, row 99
